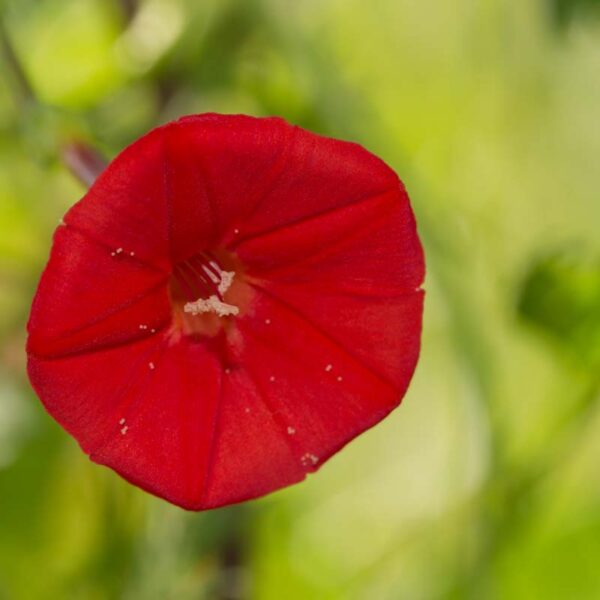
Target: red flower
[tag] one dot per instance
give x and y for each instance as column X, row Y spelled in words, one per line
column 232, row 302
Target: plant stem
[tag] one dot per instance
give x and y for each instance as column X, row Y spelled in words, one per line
column 23, row 88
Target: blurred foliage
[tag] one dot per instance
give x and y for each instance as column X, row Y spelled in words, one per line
column 485, row 484
column 561, row 296
column 565, row 10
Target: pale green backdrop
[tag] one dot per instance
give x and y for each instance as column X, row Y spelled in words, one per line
column 485, row 484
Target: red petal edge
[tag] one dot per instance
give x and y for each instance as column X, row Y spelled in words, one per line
column 324, row 350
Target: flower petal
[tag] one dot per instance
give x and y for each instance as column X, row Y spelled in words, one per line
column 251, row 455
column 126, row 207
column 85, row 392
column 171, row 423
column 218, row 168
column 370, row 246
column 90, row 297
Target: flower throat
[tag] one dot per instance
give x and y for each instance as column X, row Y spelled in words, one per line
column 204, row 282
column 206, row 290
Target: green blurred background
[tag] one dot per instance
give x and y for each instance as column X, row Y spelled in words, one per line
column 486, row 482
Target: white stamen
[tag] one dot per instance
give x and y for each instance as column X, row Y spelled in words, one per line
column 143, row 326
column 124, row 430
column 246, row 410
column 119, row 250
column 227, row 370
column 226, row 281
column 212, row 304
column 267, row 321
column 236, row 231
column 272, row 378
column 328, row 368
column 214, row 278
column 132, row 254
column 339, row 378
column 153, row 331
column 122, row 422
column 151, row 365
column 291, row 431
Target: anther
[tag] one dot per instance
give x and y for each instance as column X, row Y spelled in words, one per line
column 203, row 276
